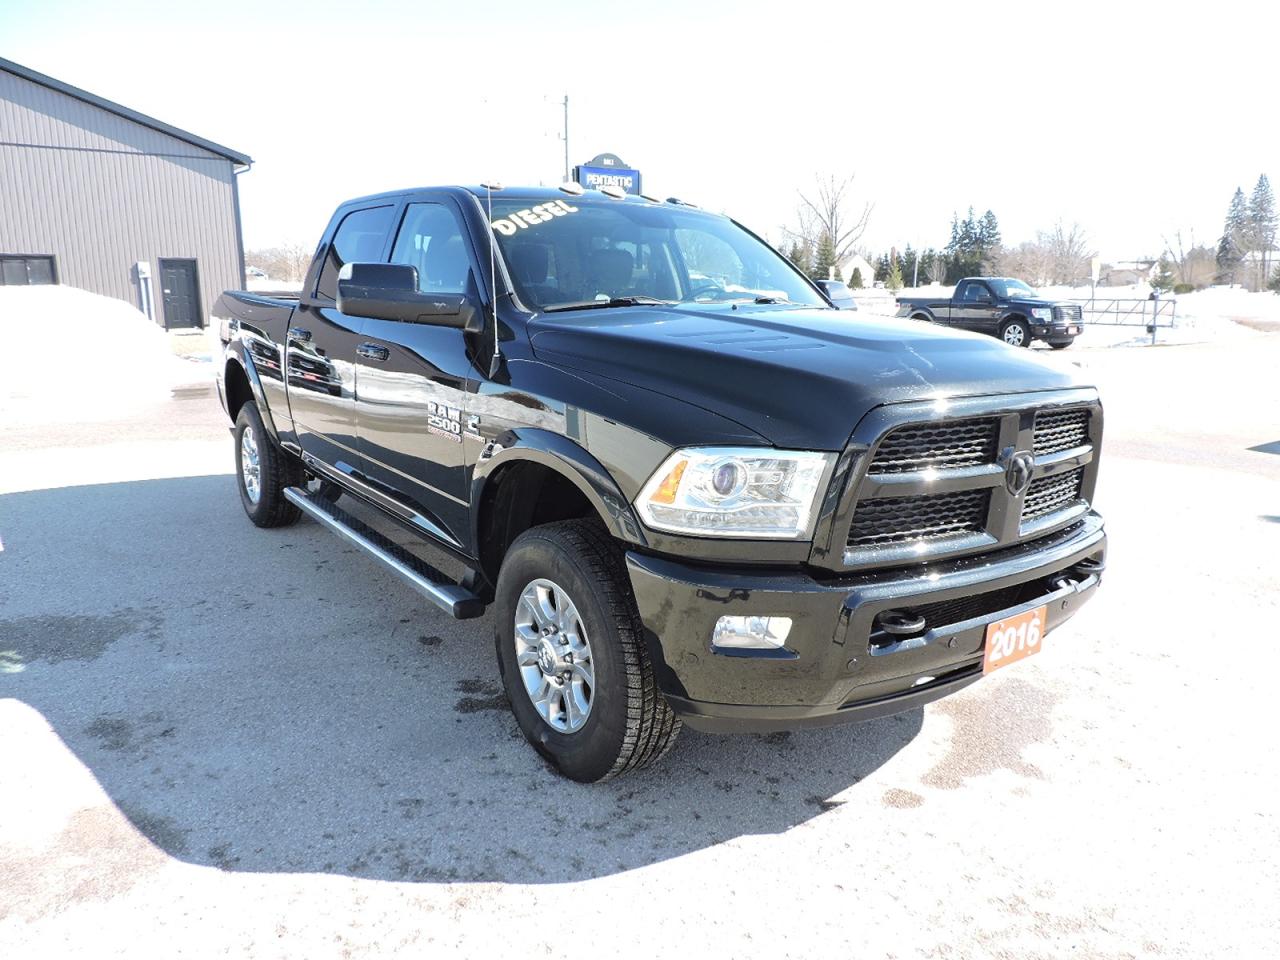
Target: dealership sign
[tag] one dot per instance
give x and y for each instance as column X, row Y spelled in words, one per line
column 607, row 170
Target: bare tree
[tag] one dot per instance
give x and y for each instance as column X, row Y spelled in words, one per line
column 286, row 262
column 1193, row 263
column 1032, row 262
column 937, row 269
column 831, row 211
column 1069, row 253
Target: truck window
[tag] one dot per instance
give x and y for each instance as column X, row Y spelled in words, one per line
column 359, row 239
column 972, row 292
column 430, row 239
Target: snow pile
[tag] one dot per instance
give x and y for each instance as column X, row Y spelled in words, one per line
column 69, row 353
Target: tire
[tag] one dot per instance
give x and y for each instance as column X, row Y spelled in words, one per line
column 262, row 484
column 1060, row 344
column 1016, row 333
column 627, row 722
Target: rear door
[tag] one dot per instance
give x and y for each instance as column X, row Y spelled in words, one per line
column 412, row 379
column 974, row 307
column 320, row 347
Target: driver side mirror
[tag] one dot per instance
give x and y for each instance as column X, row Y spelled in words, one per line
column 389, row 291
column 837, row 291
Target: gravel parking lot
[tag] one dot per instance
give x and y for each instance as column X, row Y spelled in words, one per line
column 219, row 740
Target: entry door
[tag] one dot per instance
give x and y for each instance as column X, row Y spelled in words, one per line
column 411, row 381
column 180, row 291
column 974, row 307
column 320, row 349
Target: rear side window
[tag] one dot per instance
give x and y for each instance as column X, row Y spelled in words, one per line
column 430, row 239
column 359, row 239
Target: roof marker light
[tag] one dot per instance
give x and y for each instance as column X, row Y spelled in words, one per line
column 572, row 188
column 494, row 185
column 616, row 193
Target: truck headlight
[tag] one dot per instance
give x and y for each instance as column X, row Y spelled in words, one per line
column 1042, row 313
column 745, row 492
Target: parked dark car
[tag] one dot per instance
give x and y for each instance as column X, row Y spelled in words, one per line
column 1002, row 307
column 690, row 489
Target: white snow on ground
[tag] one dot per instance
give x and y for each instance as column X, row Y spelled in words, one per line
column 67, row 354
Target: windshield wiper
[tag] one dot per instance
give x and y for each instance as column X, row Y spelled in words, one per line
column 637, row 301
column 772, row 300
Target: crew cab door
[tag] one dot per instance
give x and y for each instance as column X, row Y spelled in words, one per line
column 974, row 307
column 412, row 380
column 320, row 345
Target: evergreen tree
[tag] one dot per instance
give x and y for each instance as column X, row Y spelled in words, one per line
column 799, row 255
column 908, row 263
column 1263, row 223
column 1235, row 240
column 825, row 259
column 1275, row 281
column 894, row 280
column 855, row 281
column 988, row 232
column 1164, row 278
column 882, row 268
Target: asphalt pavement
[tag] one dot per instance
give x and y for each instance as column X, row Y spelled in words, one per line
column 222, row 741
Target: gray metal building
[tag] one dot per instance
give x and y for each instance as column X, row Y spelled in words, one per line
column 97, row 196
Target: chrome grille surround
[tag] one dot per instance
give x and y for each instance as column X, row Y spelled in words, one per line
column 924, row 513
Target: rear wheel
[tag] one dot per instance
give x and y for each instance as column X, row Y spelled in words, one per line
column 263, row 470
column 572, row 656
column 1016, row 333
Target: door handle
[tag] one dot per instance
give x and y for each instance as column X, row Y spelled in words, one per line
column 297, row 333
column 372, row 351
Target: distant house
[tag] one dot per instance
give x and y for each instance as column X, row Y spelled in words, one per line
column 859, row 263
column 97, row 196
column 1127, row 273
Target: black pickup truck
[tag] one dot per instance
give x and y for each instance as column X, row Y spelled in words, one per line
column 690, row 488
column 1002, row 307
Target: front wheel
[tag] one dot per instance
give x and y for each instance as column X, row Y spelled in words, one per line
column 1016, row 334
column 571, row 652
column 263, row 470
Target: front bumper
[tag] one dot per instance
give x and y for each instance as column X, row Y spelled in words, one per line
column 837, row 664
column 1057, row 330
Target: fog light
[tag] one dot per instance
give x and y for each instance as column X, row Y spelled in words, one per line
column 752, row 633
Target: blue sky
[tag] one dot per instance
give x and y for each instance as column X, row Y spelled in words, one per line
column 1135, row 124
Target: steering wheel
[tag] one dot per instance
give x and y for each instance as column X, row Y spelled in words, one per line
column 705, row 286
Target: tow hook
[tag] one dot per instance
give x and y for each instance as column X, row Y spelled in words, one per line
column 900, row 623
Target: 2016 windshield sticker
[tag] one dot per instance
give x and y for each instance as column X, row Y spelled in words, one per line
column 524, row 219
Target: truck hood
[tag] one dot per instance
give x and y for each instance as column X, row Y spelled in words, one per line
column 801, row 378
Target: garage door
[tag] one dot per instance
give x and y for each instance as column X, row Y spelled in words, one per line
column 21, row 271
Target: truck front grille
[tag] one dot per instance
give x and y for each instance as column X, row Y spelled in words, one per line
column 1050, row 494
column 1058, row 431
column 1071, row 313
column 935, row 480
column 937, row 446
column 897, row 520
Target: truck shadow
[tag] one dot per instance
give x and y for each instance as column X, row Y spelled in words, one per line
column 269, row 701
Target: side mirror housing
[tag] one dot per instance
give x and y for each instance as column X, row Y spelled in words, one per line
column 837, row 291
column 389, row 291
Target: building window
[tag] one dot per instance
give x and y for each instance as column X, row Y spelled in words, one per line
column 22, row 271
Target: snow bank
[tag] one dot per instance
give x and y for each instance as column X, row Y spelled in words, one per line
column 70, row 354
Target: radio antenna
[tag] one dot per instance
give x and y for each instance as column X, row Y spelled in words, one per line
column 496, row 361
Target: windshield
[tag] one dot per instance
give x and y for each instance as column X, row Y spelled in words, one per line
column 1007, row 289
column 579, row 252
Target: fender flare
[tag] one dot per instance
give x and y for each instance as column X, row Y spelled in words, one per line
column 571, row 461
column 236, row 354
